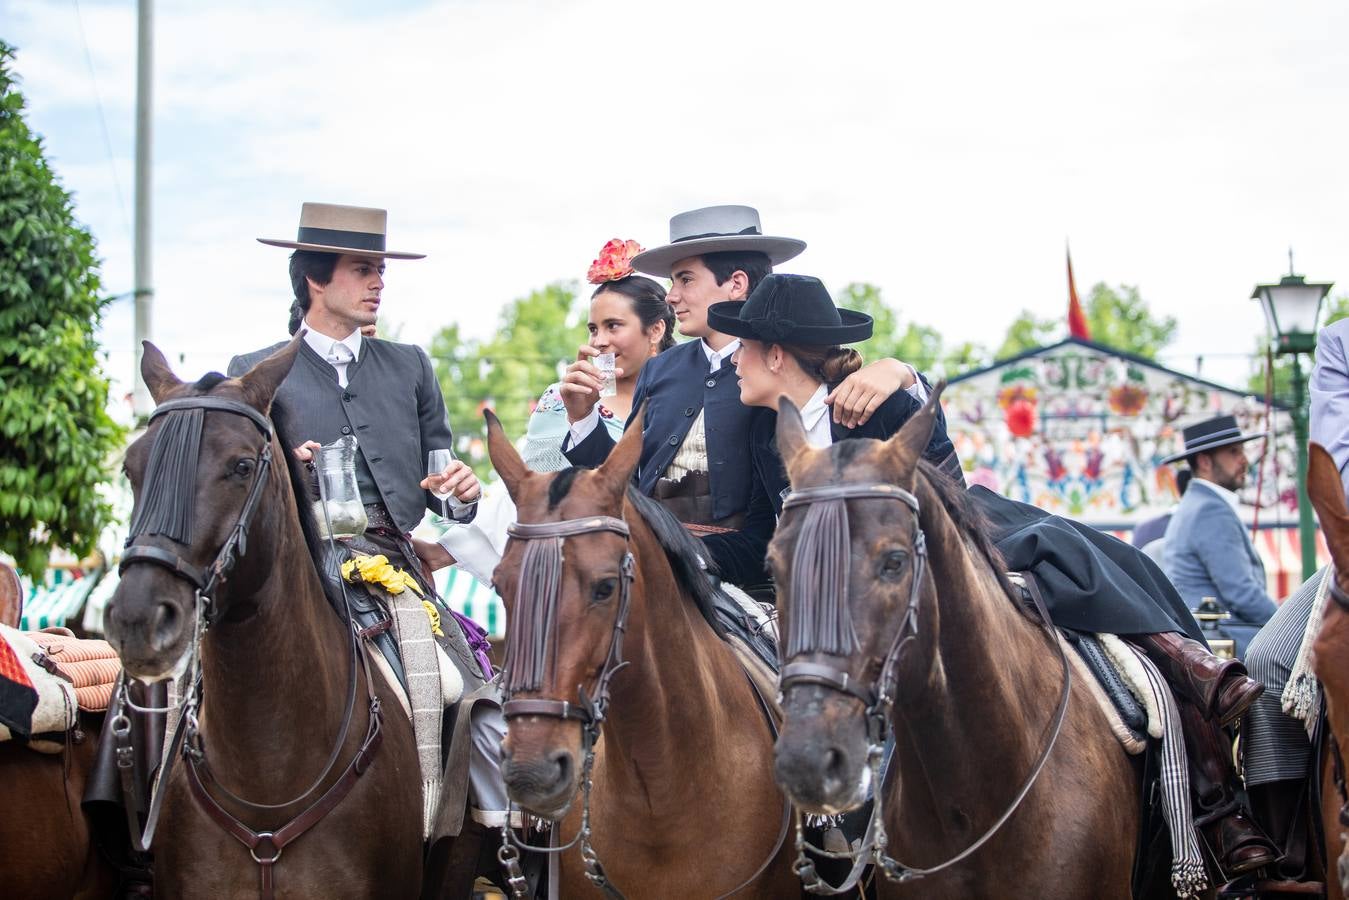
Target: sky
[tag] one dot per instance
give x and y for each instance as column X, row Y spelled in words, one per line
column 943, row 151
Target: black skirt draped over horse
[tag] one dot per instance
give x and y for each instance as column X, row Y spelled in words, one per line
column 1090, row 580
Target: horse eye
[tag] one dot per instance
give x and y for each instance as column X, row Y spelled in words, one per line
column 603, row 590
column 892, row 563
column 244, row 467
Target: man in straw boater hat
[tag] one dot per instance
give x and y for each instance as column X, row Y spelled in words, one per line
column 385, row 395
column 696, row 431
column 1207, row 551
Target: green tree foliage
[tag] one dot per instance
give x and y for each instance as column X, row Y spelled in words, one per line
column 1117, row 317
column 537, row 333
column 920, row 346
column 58, row 439
column 1336, row 308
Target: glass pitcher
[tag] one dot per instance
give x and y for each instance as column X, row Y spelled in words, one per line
column 339, row 496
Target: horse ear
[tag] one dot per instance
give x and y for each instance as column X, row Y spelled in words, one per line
column 505, row 458
column 791, row 432
column 1327, row 495
column 261, row 382
column 618, row 468
column 907, row 444
column 155, row 371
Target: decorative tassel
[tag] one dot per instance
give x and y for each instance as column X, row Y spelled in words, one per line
column 820, row 620
column 170, row 484
column 530, row 639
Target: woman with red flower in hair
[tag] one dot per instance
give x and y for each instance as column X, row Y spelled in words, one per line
column 628, row 318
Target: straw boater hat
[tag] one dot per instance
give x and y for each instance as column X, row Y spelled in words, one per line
column 715, row 229
column 790, row 309
column 330, row 228
column 1210, row 435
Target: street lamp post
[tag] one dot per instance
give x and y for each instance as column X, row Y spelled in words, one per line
column 1292, row 308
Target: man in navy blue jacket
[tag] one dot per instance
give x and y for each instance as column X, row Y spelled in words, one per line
column 696, row 433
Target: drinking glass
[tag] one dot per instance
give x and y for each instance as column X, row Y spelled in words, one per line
column 436, row 461
column 605, row 362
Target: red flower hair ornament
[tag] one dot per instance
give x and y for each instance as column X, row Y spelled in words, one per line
column 614, row 262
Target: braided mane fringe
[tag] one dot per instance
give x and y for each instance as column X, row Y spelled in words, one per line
column 171, row 478
column 820, row 574
column 531, row 639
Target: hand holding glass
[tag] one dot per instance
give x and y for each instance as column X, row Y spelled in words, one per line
column 437, row 461
column 606, row 362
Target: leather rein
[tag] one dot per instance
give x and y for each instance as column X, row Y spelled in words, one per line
column 589, row 711
column 265, row 847
column 878, row 699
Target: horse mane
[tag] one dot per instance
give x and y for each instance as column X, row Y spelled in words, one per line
column 967, row 519
column 684, row 553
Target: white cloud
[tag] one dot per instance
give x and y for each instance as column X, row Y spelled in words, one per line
column 943, row 151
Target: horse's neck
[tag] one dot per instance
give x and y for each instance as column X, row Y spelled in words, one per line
column 681, row 686
column 988, row 694
column 277, row 680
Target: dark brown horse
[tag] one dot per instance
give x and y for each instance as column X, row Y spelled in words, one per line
column 683, row 803
column 1331, row 661
column 276, row 667
column 976, row 686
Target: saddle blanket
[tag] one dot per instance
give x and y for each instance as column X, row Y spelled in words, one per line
column 36, row 706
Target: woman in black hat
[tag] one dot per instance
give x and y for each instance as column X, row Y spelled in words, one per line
column 791, row 335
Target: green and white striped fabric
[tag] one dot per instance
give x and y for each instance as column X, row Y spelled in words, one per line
column 469, row 597
column 53, row 605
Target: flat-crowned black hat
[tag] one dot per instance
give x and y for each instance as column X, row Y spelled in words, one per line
column 1211, row 434
column 789, row 309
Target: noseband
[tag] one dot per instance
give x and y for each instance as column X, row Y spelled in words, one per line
column 820, row 618
column 204, row 581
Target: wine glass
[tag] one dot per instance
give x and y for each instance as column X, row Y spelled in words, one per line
column 436, row 462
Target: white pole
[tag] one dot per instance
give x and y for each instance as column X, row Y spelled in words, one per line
column 143, row 280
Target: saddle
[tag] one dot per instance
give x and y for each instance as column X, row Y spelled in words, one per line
column 46, row 680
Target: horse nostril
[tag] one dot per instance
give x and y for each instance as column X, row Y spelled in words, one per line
column 563, row 761
column 833, row 763
column 164, row 629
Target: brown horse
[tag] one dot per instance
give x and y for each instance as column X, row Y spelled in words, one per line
column 46, row 848
column 976, row 687
column 278, row 675
column 683, row 801
column 1331, row 659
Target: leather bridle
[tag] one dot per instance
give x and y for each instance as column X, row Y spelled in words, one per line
column 877, row 698
column 206, row 581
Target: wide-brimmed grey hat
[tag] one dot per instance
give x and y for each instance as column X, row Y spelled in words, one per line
column 1211, row 434
column 331, row 228
column 715, row 229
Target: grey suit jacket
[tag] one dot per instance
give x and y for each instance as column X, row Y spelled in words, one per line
column 1329, row 388
column 392, row 404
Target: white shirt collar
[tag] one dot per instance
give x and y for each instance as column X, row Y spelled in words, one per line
column 815, row 416
column 323, row 345
column 1229, row 496
column 716, row 357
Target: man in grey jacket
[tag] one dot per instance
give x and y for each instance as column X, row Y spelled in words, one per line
column 1208, row 552
column 386, row 395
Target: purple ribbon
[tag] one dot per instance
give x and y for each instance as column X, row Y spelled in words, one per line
column 477, row 642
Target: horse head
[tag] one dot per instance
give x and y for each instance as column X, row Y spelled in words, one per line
column 847, row 559
column 566, row 570
column 1331, row 650
column 199, row 476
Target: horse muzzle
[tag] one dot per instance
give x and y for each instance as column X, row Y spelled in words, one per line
column 543, row 785
column 152, row 636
